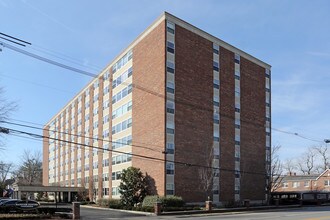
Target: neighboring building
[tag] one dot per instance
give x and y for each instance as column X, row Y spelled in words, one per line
column 303, row 183
column 177, row 94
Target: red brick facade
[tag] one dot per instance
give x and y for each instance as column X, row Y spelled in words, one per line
column 193, row 111
column 193, row 117
column 148, row 98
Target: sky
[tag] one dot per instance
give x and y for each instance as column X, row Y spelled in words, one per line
column 292, row 36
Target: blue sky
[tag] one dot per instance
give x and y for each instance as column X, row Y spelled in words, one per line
column 293, row 36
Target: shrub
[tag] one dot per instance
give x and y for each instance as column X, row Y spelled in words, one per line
column 149, row 201
column 168, row 201
column 115, row 204
column 172, row 201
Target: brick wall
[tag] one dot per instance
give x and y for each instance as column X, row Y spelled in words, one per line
column 148, row 113
column 253, row 134
column 193, row 111
column 227, row 125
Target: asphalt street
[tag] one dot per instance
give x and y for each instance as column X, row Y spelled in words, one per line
column 305, row 213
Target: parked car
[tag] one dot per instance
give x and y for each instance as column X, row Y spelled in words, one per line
column 28, row 205
column 9, row 205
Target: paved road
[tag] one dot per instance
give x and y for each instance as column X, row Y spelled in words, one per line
column 306, row 213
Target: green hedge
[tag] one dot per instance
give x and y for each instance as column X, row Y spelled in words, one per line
column 111, row 203
column 167, row 201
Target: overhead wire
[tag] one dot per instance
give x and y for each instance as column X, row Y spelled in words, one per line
column 81, row 136
column 133, row 154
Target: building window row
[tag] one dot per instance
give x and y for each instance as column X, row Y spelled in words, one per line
column 122, row 110
column 122, row 61
column 122, row 126
column 122, row 78
column 122, row 94
column 121, row 159
column 122, row 142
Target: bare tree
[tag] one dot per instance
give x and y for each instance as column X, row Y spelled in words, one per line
column 5, row 170
column 306, row 164
column 30, row 171
column 276, row 168
column 6, row 108
column 323, row 154
column 289, row 166
column 206, row 174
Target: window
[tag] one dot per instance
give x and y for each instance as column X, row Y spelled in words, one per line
column 106, row 75
column 216, row 118
column 295, row 184
column 237, row 107
column 237, row 173
column 215, row 66
column 170, row 47
column 169, row 127
column 237, row 123
column 216, row 83
column 326, row 182
column 170, row 67
column 215, row 189
column 105, row 191
column 215, row 49
column 170, row 27
column 106, row 104
column 169, row 168
column 115, row 191
column 216, row 101
column 105, row 177
column 106, row 119
column 170, row 148
column 306, row 184
column 170, row 189
column 106, row 90
column 170, row 87
column 170, row 106
column 237, row 91
column 237, row 58
column 216, row 136
column 105, row 163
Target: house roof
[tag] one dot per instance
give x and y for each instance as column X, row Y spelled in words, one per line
column 300, row 177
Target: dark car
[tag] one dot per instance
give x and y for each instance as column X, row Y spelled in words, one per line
column 9, row 205
column 29, row 205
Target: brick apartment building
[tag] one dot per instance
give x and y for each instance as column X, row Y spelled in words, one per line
column 305, row 183
column 179, row 96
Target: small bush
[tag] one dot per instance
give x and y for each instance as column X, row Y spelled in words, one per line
column 149, row 201
column 168, row 201
column 115, row 204
column 172, row 201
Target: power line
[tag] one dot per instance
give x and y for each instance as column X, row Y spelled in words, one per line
column 297, row 135
column 82, row 136
column 47, row 60
column 132, row 154
column 17, row 39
